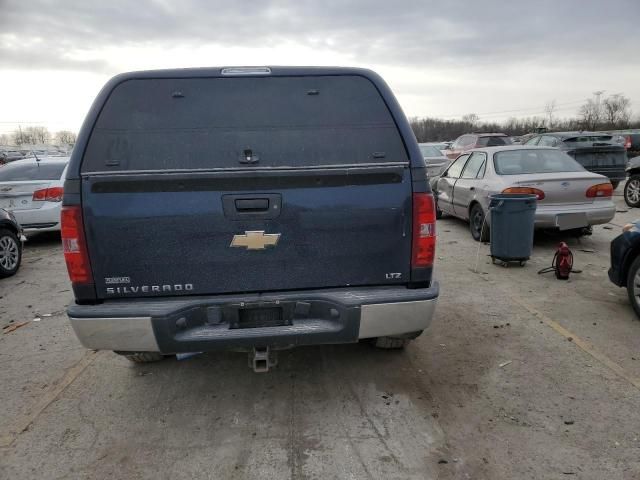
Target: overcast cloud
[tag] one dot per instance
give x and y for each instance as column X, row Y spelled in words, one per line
column 441, row 58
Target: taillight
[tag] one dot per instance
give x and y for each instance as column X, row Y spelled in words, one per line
column 600, row 190
column 627, row 142
column 423, row 250
column 75, row 246
column 527, row 190
column 48, row 195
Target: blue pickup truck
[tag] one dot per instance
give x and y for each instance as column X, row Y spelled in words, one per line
column 247, row 208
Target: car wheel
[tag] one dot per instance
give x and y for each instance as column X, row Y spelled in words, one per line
column 632, row 191
column 10, row 253
column 477, row 225
column 633, row 285
column 615, row 184
column 142, row 357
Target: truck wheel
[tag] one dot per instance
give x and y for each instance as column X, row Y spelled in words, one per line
column 142, row 357
column 477, row 225
column 10, row 253
column 398, row 342
column 632, row 191
column 633, row 285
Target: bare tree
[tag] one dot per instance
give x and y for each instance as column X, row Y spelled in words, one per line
column 616, row 110
column 65, row 137
column 31, row 135
column 471, row 119
column 549, row 110
column 591, row 114
column 5, row 139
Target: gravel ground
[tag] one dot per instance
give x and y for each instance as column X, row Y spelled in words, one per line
column 520, row 376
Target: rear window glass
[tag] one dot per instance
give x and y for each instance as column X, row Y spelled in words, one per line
column 587, row 140
column 151, row 124
column 493, row 141
column 521, row 162
column 13, row 172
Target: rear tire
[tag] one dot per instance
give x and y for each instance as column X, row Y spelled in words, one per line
column 10, row 253
column 632, row 191
column 615, row 184
column 478, row 225
column 438, row 211
column 142, row 357
column 633, row 278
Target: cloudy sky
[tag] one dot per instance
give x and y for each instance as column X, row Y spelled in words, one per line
column 443, row 59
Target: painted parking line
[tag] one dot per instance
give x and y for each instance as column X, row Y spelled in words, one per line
column 582, row 344
column 22, row 422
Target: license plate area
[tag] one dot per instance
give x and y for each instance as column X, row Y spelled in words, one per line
column 567, row 221
column 260, row 317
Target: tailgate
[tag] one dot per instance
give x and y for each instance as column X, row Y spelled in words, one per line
column 222, row 185
column 211, row 233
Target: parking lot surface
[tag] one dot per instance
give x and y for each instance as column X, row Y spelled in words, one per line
column 520, row 376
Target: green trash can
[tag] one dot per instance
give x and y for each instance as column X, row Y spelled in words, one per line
column 512, row 220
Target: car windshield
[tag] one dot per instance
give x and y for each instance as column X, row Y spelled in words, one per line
column 493, row 141
column 17, row 172
column 430, row 151
column 522, row 162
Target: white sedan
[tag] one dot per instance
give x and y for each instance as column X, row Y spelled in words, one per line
column 32, row 190
column 569, row 197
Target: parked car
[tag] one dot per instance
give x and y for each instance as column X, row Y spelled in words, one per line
column 11, row 239
column 469, row 141
column 625, row 262
column 632, row 185
column 442, row 146
column 596, row 151
column 250, row 225
column 7, row 156
column 434, row 160
column 32, row 189
column 569, row 197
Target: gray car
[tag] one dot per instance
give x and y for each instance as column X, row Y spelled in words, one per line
column 435, row 161
column 569, row 197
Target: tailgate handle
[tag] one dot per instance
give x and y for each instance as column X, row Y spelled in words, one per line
column 252, row 204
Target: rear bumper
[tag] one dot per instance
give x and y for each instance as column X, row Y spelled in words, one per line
column 199, row 324
column 596, row 213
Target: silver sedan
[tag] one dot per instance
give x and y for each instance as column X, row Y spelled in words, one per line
column 569, row 197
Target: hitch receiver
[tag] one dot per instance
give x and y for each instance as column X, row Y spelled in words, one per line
column 261, row 359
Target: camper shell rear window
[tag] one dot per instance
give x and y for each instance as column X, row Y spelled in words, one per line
column 230, row 123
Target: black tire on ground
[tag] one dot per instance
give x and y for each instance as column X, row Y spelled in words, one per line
column 438, row 212
column 398, row 342
column 632, row 191
column 632, row 291
column 477, row 225
column 10, row 253
column 142, row 357
column 615, row 183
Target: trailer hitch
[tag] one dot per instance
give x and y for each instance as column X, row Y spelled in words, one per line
column 262, row 358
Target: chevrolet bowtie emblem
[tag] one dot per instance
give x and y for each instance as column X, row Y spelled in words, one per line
column 256, row 240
